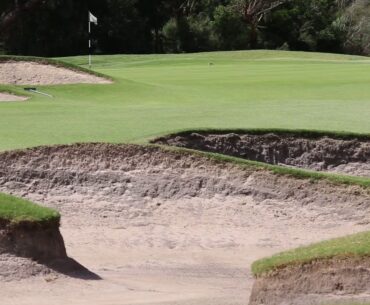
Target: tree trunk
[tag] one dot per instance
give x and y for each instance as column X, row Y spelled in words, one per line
column 253, row 36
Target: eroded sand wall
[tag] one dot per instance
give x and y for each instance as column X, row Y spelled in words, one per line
column 42, row 242
column 322, row 153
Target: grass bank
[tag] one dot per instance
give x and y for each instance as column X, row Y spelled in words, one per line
column 16, row 210
column 346, row 247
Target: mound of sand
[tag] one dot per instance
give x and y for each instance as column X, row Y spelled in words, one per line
column 33, row 73
column 6, row 97
column 321, row 154
column 162, row 227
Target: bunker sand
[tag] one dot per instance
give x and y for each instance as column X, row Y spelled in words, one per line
column 162, row 227
column 33, row 73
column 6, row 97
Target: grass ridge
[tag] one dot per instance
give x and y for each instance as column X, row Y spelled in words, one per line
column 276, row 169
column 15, row 210
column 352, row 246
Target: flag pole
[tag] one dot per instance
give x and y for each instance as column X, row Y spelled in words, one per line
column 89, row 42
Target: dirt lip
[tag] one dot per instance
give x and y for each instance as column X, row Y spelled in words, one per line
column 38, row 241
column 332, row 281
column 29, row 249
column 37, row 73
column 320, row 153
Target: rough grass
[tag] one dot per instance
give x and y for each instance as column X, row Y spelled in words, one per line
column 346, row 247
column 158, row 94
column 16, row 210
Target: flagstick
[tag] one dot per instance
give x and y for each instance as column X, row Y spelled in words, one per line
column 89, row 42
column 94, row 20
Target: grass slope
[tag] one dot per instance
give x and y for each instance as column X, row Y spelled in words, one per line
column 17, row 210
column 351, row 246
column 158, row 94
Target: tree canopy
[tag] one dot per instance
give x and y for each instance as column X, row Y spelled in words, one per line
column 59, row 27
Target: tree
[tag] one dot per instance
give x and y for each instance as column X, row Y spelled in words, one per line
column 13, row 10
column 253, row 11
column 356, row 21
column 229, row 29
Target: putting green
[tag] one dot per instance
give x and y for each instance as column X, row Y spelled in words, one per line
column 157, row 94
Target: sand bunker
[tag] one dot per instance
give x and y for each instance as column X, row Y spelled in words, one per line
column 321, row 153
column 163, row 227
column 6, row 97
column 33, row 73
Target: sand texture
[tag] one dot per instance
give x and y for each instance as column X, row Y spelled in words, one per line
column 6, row 97
column 33, row 73
column 161, row 227
column 345, row 156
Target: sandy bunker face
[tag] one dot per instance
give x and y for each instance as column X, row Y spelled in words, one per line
column 33, row 73
column 321, row 153
column 6, row 97
column 161, row 227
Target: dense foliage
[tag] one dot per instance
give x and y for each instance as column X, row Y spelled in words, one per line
column 59, row 27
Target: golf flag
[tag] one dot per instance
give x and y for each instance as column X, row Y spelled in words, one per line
column 93, row 19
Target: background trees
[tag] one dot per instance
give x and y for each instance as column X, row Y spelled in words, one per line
column 59, row 27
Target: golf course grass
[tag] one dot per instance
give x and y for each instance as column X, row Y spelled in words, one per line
column 158, row 94
column 346, row 247
column 153, row 95
column 16, row 210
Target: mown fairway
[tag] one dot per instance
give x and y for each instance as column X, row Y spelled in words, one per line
column 156, row 94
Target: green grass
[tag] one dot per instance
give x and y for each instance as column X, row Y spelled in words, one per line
column 158, row 94
column 346, row 247
column 153, row 95
column 16, row 210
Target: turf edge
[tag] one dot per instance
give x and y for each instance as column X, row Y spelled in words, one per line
column 15, row 210
column 349, row 247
